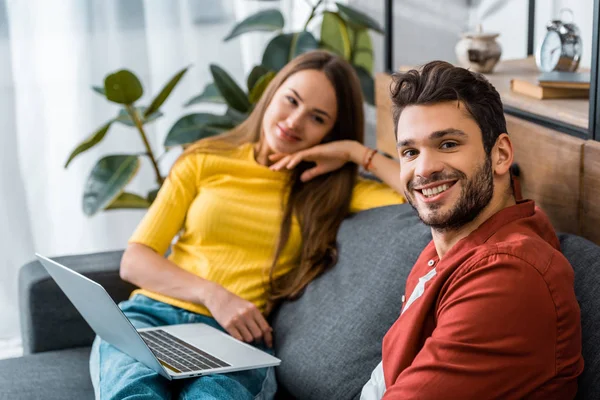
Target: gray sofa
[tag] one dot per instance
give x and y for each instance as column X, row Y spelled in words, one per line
column 329, row 340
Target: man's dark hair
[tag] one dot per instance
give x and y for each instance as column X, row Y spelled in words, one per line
column 439, row 81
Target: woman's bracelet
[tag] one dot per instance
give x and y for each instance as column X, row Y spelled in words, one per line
column 368, row 158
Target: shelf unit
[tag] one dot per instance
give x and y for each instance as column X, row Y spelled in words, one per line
column 580, row 118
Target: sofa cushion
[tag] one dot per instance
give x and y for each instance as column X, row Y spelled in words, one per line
column 329, row 340
column 54, row 375
column 49, row 321
column 584, row 256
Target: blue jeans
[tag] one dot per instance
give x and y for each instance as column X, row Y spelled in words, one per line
column 115, row 375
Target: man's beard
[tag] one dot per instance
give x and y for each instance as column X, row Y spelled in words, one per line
column 475, row 195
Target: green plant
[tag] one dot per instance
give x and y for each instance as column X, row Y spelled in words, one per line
column 105, row 186
column 344, row 31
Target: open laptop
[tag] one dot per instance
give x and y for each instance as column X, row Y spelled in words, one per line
column 173, row 351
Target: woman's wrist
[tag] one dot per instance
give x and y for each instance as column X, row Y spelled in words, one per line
column 357, row 152
column 207, row 291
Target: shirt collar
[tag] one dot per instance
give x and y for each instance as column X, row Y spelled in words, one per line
column 523, row 209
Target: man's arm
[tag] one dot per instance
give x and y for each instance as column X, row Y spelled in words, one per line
column 495, row 337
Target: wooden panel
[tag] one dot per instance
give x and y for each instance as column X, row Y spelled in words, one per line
column 386, row 140
column 550, row 164
column 590, row 201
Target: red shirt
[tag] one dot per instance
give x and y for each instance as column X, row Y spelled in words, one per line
column 498, row 319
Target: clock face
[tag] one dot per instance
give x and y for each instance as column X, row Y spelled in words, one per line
column 549, row 52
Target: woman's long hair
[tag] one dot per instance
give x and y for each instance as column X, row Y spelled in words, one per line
column 321, row 204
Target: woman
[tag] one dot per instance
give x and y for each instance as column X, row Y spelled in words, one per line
column 257, row 211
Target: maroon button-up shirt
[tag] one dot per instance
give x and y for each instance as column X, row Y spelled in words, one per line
column 495, row 318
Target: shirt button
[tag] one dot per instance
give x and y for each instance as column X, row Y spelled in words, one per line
column 430, row 263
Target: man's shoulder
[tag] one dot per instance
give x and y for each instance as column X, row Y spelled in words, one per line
column 525, row 252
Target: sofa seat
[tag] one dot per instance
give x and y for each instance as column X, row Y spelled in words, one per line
column 51, row 375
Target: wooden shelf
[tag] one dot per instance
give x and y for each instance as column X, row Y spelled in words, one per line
column 570, row 111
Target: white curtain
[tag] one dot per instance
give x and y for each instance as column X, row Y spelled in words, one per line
column 51, row 53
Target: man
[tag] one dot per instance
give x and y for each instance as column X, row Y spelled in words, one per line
column 490, row 311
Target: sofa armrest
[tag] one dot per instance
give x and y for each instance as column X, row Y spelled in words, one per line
column 48, row 319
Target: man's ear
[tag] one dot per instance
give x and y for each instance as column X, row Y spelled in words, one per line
column 502, row 155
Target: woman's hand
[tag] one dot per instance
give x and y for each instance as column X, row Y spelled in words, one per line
column 328, row 157
column 240, row 318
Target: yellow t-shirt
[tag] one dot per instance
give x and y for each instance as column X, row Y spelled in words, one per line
column 227, row 209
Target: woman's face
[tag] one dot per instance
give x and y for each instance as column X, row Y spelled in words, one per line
column 301, row 113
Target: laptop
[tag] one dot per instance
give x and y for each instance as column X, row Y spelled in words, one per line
column 173, row 351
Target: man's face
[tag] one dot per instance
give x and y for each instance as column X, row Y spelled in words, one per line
column 446, row 175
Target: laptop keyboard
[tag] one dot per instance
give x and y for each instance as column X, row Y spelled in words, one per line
column 177, row 354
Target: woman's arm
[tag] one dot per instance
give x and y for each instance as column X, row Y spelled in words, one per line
column 334, row 155
column 386, row 169
column 145, row 268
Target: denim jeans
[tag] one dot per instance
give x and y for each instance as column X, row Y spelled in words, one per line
column 115, row 375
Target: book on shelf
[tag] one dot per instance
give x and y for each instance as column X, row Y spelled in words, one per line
column 570, row 80
column 533, row 88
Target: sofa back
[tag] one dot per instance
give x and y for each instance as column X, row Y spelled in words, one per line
column 330, row 339
column 584, row 256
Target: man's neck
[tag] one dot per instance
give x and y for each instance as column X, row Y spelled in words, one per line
column 445, row 240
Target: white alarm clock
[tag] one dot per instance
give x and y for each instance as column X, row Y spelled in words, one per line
column 560, row 49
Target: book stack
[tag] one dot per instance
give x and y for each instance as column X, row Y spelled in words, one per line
column 554, row 85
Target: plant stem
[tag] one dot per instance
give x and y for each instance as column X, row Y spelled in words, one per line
column 138, row 123
column 312, row 14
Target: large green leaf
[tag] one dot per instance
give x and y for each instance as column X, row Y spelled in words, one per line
column 164, row 93
column 128, row 200
column 267, row 20
column 210, row 94
column 277, row 53
column 283, row 48
column 233, row 94
column 359, row 18
column 123, row 87
column 303, row 43
column 90, row 142
column 367, row 84
column 236, row 116
column 362, row 48
column 193, row 127
column 335, row 36
column 260, row 87
column 124, row 117
column 256, row 73
column 107, row 180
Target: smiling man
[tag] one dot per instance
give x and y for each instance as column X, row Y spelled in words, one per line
column 490, row 309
